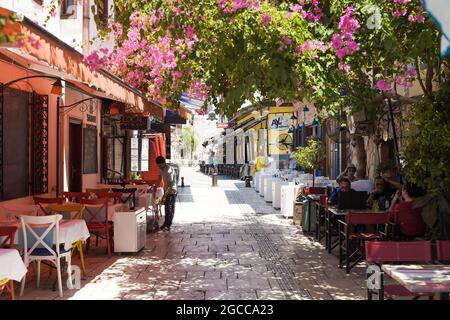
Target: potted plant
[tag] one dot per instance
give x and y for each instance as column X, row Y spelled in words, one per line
column 311, row 156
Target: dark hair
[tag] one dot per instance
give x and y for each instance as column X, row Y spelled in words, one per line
column 160, row 160
column 379, row 178
column 413, row 190
column 344, row 179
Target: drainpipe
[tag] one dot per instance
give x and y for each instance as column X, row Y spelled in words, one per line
column 320, row 171
column 58, row 142
column 337, row 170
column 86, row 19
column 303, row 134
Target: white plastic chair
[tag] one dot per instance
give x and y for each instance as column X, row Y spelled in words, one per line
column 39, row 236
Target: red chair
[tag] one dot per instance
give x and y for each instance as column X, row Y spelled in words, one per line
column 131, row 181
column 115, row 196
column 443, row 250
column 320, row 217
column 9, row 233
column 75, row 196
column 314, row 190
column 96, row 217
column 351, row 242
column 397, row 252
column 42, row 202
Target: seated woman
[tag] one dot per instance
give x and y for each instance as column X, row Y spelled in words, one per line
column 409, row 219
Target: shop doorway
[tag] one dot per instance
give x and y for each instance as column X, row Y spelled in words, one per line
column 75, row 155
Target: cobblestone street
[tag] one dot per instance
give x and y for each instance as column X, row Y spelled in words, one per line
column 225, row 243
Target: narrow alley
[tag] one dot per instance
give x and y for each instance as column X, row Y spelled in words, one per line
column 225, row 243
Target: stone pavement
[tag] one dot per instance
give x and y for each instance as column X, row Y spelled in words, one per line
column 225, row 243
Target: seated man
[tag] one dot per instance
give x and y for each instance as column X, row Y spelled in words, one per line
column 349, row 173
column 344, row 186
column 381, row 195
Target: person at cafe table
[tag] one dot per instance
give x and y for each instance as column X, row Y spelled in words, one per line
column 349, row 173
column 344, row 186
column 407, row 218
column 381, row 196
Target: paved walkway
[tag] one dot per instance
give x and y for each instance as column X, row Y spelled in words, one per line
column 225, row 243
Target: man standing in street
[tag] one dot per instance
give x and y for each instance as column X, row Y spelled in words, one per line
column 167, row 175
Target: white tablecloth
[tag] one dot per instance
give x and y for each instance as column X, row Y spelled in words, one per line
column 70, row 231
column 11, row 265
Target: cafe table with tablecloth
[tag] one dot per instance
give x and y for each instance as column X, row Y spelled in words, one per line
column 70, row 231
column 11, row 265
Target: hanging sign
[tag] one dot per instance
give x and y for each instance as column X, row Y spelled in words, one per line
column 280, row 123
column 132, row 121
column 145, row 154
column 134, row 154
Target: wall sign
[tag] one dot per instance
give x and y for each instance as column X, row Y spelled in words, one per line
column 139, row 154
column 91, row 118
column 134, row 154
column 131, row 121
column 280, row 123
column 145, row 153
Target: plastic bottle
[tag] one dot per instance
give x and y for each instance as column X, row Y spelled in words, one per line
column 375, row 206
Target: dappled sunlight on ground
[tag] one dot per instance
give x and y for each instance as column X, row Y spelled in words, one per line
column 226, row 243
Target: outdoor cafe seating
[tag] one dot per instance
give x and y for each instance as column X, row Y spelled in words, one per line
column 71, row 211
column 397, row 252
column 43, row 203
column 352, row 240
column 96, row 217
column 75, row 196
column 41, row 242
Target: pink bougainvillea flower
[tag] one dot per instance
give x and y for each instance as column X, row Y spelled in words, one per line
column 35, row 43
column 286, row 40
column 344, row 67
column 410, row 73
column 266, row 19
column 383, row 86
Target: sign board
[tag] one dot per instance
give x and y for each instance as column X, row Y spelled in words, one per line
column 139, row 160
column 280, row 123
column 145, row 154
column 132, row 121
column 134, row 154
column 222, row 125
column 91, row 118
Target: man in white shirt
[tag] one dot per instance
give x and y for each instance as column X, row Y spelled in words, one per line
column 167, row 175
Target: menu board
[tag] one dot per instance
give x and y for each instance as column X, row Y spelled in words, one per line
column 145, row 154
column 134, row 154
column 90, row 149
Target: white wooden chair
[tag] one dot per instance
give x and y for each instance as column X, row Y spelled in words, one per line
column 41, row 242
